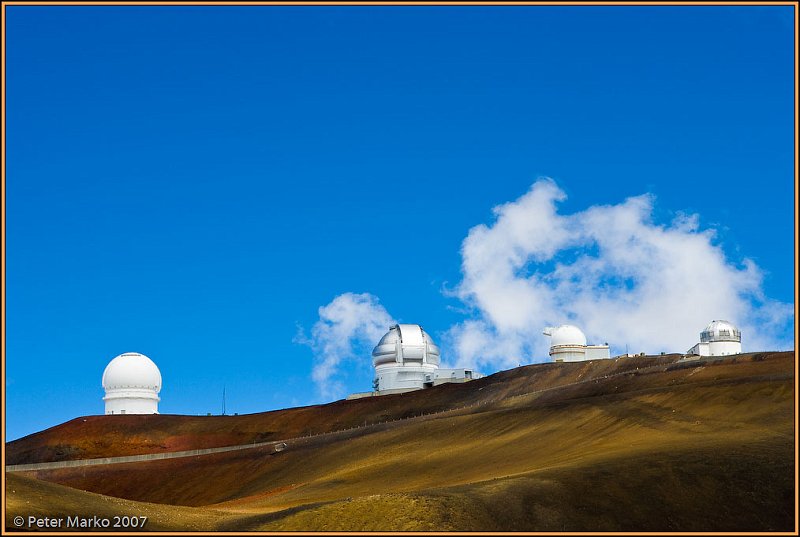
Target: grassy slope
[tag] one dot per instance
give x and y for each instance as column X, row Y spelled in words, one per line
column 701, row 490
column 692, row 449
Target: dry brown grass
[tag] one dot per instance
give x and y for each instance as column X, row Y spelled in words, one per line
column 668, row 491
column 32, row 497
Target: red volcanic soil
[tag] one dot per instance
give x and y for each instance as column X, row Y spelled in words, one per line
column 108, row 436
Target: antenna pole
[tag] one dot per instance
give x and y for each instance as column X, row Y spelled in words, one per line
column 223, row 399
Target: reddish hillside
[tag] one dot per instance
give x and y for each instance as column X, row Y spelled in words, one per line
column 107, row 436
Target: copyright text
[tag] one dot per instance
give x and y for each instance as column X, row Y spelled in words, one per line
column 81, row 522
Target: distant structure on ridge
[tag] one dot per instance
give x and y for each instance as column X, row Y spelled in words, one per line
column 132, row 382
column 406, row 359
column 568, row 344
column 720, row 338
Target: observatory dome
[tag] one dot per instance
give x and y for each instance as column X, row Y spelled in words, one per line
column 132, row 370
column 406, row 343
column 720, row 338
column 406, row 358
column 568, row 344
column 567, row 334
column 132, row 382
column 720, row 331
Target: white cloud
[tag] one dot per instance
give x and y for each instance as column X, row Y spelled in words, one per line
column 610, row 270
column 348, row 328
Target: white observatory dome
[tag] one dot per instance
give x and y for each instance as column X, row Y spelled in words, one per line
column 568, row 344
column 132, row 370
column 720, row 331
column 131, row 382
column 567, row 335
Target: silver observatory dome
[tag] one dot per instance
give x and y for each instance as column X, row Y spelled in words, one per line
column 720, row 331
column 405, row 343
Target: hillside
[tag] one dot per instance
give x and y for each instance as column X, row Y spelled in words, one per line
column 672, row 446
column 106, row 436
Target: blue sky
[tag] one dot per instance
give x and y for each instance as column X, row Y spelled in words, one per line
column 194, row 183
